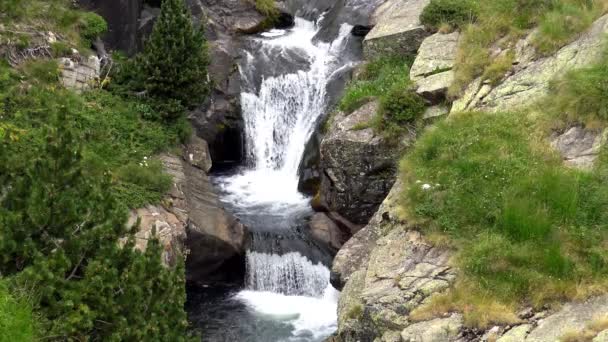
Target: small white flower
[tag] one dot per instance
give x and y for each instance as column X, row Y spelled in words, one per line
column 141, row 164
column 145, row 158
column 426, row 186
column 418, row 182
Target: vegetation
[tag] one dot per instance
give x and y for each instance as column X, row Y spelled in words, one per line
column 387, row 80
column 455, row 13
column 71, row 165
column 16, row 318
column 267, row 8
column 527, row 230
column 499, row 24
column 174, row 63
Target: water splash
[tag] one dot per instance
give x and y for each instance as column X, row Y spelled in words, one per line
column 288, row 274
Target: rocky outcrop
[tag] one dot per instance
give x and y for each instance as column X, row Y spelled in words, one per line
column 579, row 147
column 123, row 22
column 529, row 79
column 355, row 253
column 192, row 222
column 432, row 68
column 79, row 73
column 387, row 269
column 326, row 231
column 358, row 166
column 397, row 29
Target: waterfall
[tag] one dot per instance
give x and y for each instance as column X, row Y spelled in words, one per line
column 282, row 105
column 289, row 274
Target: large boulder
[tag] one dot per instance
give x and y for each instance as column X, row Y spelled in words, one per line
column 358, row 166
column 216, row 240
column 432, row 68
column 326, row 231
column 398, row 30
column 529, row 79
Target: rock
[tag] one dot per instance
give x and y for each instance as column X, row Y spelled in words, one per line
column 398, row 29
column 79, row 74
column 354, row 254
column 432, row 68
column 168, row 228
column 516, row 334
column 123, row 21
column 197, row 153
column 571, row 317
column 435, row 112
column 351, row 312
column 358, row 166
column 216, row 239
column 435, row 87
column 325, row 231
column 601, row 337
column 437, row 53
column 579, row 147
column 309, row 172
column 436, row 330
column 530, row 81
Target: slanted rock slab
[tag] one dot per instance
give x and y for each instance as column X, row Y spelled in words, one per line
column 579, row 147
column 398, row 29
column 436, row 330
column 436, row 54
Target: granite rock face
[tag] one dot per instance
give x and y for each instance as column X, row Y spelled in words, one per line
column 358, row 166
column 529, row 79
column 397, row 29
column 79, row 73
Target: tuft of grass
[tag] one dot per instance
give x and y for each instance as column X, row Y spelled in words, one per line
column 454, row 13
column 17, row 323
column 376, row 79
column 267, row 8
column 526, row 228
column 580, row 95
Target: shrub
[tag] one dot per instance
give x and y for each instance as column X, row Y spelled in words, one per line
column 92, row 26
column 456, row 13
column 174, row 62
column 266, row 7
column 401, row 105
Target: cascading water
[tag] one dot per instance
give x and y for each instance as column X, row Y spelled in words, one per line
column 287, row 281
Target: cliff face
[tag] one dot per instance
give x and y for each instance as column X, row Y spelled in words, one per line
column 388, row 269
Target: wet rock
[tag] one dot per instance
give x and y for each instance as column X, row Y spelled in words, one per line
column 325, row 231
column 579, row 147
column 436, row 330
column 530, row 81
column 398, row 29
column 216, row 239
column 309, row 171
column 358, row 166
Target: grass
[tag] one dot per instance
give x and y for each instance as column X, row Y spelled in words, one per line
column 526, row 229
column 499, row 24
column 75, row 28
column 387, row 80
column 17, row 322
column 116, row 136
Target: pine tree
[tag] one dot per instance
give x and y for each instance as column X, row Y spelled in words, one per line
column 63, row 233
column 174, row 62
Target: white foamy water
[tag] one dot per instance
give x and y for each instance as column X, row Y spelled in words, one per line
column 281, row 117
column 279, row 120
column 311, row 317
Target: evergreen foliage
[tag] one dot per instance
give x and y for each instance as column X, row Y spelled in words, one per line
column 174, row 62
column 61, row 232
